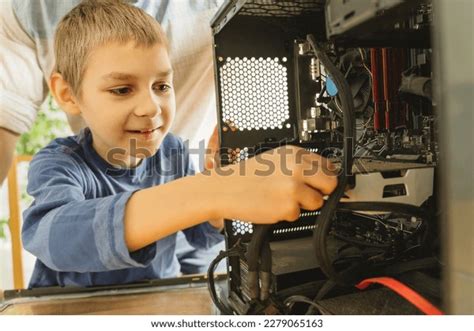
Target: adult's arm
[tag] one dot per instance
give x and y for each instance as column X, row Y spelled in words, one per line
column 8, row 141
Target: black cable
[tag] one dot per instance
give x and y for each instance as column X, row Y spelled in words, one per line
column 254, row 252
column 290, row 302
column 234, row 251
column 324, row 219
column 398, row 208
column 325, row 289
column 265, row 272
column 361, row 242
column 260, row 231
column 266, row 256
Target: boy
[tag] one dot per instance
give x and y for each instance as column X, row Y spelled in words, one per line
column 109, row 201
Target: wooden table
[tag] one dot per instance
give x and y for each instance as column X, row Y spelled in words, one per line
column 179, row 296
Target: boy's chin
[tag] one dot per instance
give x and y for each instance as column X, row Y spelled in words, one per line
column 144, row 150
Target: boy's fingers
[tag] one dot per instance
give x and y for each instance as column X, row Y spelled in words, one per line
column 309, row 198
column 313, row 169
column 322, row 181
column 318, row 172
column 213, row 144
column 212, row 148
column 210, row 162
column 311, row 157
column 316, row 159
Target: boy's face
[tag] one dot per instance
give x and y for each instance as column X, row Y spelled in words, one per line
column 127, row 100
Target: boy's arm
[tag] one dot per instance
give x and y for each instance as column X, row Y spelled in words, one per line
column 162, row 210
column 70, row 233
column 273, row 187
column 209, row 233
column 210, row 162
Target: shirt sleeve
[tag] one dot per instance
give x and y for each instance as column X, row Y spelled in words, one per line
column 204, row 235
column 22, row 85
column 70, row 233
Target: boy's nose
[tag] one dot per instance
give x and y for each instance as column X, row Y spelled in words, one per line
column 150, row 106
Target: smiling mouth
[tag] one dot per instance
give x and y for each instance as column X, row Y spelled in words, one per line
column 145, row 131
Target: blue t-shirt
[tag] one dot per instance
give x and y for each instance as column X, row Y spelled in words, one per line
column 75, row 224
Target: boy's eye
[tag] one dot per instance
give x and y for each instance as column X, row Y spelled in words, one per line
column 120, row 91
column 162, row 87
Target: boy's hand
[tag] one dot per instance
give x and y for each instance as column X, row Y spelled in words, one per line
column 273, row 186
column 209, row 164
column 211, row 151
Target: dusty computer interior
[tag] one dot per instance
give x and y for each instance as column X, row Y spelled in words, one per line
column 352, row 81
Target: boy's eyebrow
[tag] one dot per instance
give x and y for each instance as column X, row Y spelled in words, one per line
column 126, row 76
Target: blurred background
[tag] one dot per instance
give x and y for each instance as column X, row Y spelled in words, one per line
column 51, row 123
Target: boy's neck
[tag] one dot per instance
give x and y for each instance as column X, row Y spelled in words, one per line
column 119, row 160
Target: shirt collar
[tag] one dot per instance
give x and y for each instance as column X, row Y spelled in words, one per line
column 85, row 139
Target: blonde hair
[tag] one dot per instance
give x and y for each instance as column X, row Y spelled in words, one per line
column 94, row 23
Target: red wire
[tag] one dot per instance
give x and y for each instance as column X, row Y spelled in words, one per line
column 386, row 56
column 374, row 68
column 404, row 291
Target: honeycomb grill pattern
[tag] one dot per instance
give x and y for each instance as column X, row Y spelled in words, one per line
column 312, row 150
column 281, row 8
column 237, row 155
column 254, row 93
column 241, row 228
column 310, row 213
column 294, row 229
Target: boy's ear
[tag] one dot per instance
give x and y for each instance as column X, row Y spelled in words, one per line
column 63, row 95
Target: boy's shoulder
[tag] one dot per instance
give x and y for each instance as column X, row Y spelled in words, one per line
column 63, row 147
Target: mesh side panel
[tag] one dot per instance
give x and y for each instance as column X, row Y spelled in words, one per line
column 313, row 150
column 310, row 213
column 254, row 93
column 281, row 8
column 241, row 228
column 236, row 155
column 294, row 229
